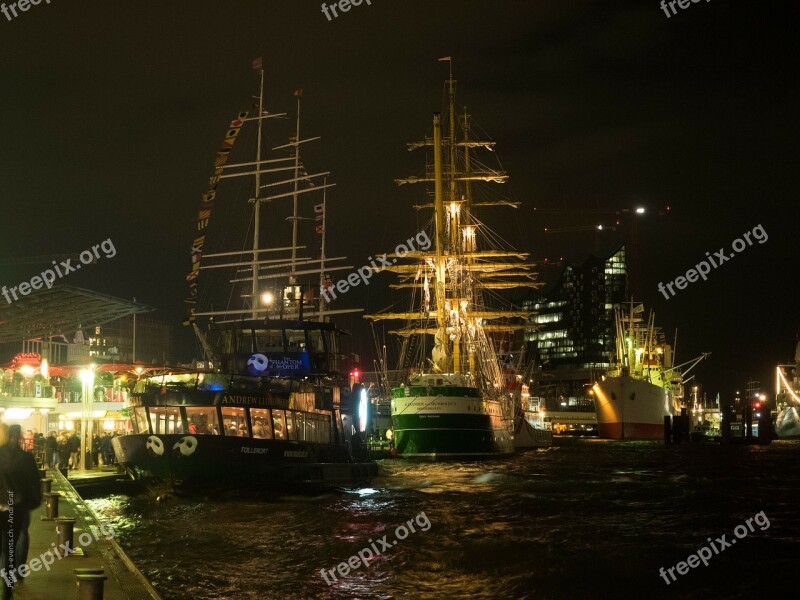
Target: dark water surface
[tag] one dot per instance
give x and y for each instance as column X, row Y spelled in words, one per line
column 586, row 519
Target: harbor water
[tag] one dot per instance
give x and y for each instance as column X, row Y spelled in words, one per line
column 584, row 519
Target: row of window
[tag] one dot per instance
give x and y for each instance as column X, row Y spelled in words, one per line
column 258, row 423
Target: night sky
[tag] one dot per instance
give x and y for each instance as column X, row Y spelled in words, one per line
column 112, row 113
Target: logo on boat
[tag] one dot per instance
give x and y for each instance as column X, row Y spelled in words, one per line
column 183, row 447
column 257, row 364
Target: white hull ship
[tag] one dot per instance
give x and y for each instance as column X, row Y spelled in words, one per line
column 633, row 398
column 451, row 403
column 787, row 422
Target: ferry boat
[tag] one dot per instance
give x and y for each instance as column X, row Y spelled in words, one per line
column 644, row 386
column 451, row 403
column 262, row 408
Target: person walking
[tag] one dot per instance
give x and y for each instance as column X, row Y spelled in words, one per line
column 51, row 450
column 63, row 451
column 95, row 449
column 74, row 444
column 20, row 493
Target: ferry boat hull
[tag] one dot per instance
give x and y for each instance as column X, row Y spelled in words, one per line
column 441, row 425
column 631, row 409
column 207, row 460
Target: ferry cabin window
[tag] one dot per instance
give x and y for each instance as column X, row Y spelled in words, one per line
column 234, row 422
column 314, row 428
column 166, row 419
column 277, row 420
column 291, row 430
column 139, row 419
column 202, row 420
column 262, row 423
column 270, row 340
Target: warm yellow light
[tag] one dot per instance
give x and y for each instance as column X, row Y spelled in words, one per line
column 108, row 425
column 45, row 368
column 267, row 298
column 27, row 370
column 139, row 370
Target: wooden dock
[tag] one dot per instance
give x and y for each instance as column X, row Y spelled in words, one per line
column 125, row 581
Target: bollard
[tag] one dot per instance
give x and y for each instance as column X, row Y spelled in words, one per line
column 42, row 472
column 90, row 585
column 51, row 504
column 65, row 527
column 46, row 483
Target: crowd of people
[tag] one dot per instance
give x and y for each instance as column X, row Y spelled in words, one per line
column 61, row 449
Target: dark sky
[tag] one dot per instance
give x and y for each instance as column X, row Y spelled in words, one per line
column 112, row 113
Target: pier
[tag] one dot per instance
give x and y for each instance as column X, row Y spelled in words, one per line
column 97, row 553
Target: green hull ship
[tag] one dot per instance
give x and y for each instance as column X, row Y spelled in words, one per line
column 449, row 400
column 439, row 417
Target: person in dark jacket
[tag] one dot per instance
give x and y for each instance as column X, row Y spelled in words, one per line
column 74, row 444
column 95, row 449
column 51, row 450
column 20, row 493
column 63, row 451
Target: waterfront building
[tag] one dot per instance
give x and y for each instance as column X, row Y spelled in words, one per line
column 572, row 335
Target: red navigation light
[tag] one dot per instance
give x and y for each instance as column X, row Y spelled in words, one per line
column 757, row 405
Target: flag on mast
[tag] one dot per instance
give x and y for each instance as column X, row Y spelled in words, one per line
column 446, row 59
column 298, row 93
column 257, row 64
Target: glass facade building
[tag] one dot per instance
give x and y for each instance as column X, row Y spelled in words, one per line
column 572, row 336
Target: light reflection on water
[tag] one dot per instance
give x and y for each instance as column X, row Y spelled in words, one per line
column 584, row 519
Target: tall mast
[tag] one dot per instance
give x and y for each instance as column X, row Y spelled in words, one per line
column 468, row 184
column 452, row 133
column 322, row 302
column 296, row 184
column 439, row 210
column 257, row 204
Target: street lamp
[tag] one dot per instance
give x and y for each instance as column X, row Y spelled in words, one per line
column 87, row 424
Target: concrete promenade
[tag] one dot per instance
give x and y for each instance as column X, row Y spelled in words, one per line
column 124, row 579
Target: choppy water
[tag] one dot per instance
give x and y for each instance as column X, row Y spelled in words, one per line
column 586, row 519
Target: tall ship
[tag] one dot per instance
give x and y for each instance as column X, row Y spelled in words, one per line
column 262, row 407
column 644, row 385
column 450, row 401
column 787, row 402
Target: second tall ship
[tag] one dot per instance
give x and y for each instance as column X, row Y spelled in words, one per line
column 450, row 401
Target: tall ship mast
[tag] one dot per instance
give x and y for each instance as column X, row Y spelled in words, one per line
column 643, row 385
column 449, row 401
column 262, row 407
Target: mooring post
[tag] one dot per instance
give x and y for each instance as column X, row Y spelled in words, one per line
column 65, row 527
column 51, row 504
